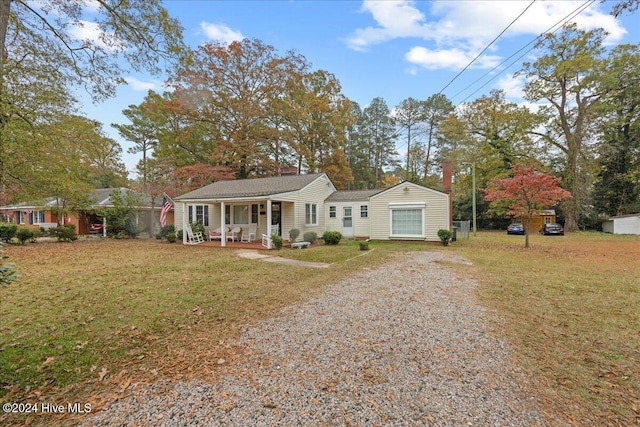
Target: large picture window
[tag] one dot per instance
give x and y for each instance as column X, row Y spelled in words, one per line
column 311, row 214
column 407, row 221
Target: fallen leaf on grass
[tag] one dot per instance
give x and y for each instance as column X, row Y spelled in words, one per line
column 102, row 374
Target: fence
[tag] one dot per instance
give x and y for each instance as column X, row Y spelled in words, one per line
column 462, row 228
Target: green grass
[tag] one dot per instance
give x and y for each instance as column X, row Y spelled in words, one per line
column 89, row 316
column 571, row 307
column 85, row 316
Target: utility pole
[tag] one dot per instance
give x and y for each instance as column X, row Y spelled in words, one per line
column 473, row 193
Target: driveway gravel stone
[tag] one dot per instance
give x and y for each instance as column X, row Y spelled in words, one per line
column 405, row 344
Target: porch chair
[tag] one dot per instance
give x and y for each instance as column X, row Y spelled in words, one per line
column 193, row 238
column 233, row 234
column 250, row 235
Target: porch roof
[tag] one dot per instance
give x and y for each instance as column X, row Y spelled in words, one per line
column 254, row 187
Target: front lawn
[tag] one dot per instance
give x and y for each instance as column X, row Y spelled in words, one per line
column 88, row 317
column 570, row 305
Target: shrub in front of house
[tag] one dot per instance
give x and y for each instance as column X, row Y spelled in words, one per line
column 293, row 235
column 164, row 231
column 23, row 234
column 8, row 232
column 364, row 246
column 445, row 236
column 198, row 227
column 171, row 237
column 277, row 241
column 310, row 236
column 64, row 233
column 331, row 237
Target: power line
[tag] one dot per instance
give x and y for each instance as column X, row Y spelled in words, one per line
column 551, row 29
column 487, row 47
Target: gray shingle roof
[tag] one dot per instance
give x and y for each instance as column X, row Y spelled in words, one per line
column 255, row 187
column 97, row 198
column 352, row 196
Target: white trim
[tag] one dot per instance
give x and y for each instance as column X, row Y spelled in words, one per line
column 407, row 206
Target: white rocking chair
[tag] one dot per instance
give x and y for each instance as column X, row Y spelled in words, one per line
column 193, row 238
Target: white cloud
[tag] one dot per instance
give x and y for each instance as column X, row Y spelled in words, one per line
column 512, row 86
column 140, row 86
column 395, row 19
column 91, row 5
column 220, row 33
column 91, row 32
column 448, row 58
column 455, row 31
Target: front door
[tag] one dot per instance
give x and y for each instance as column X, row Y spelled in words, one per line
column 347, row 221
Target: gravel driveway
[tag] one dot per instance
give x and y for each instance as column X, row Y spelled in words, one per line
column 402, row 345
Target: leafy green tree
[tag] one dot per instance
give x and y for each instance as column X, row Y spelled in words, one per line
column 122, row 217
column 409, row 115
column 437, row 107
column 564, row 78
column 43, row 60
column 375, row 150
column 617, row 186
column 493, row 134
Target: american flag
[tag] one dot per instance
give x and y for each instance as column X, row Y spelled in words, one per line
column 166, row 207
column 29, row 211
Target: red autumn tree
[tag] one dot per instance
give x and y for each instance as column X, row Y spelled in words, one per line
column 525, row 193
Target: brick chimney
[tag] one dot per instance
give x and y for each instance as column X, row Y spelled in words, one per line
column 286, row 171
column 447, row 171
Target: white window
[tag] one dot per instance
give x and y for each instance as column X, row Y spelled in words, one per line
column 332, row 211
column 407, row 220
column 364, row 211
column 199, row 213
column 547, row 220
column 311, row 214
column 38, row 217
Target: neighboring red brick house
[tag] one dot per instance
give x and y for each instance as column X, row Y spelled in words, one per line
column 44, row 213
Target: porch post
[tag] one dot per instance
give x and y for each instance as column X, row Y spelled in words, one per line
column 104, row 226
column 269, row 218
column 184, row 223
column 223, row 226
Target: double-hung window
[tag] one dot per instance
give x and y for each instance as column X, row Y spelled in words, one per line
column 364, row 211
column 332, row 211
column 199, row 213
column 311, row 214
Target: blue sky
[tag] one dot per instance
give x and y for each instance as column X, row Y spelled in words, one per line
column 391, row 48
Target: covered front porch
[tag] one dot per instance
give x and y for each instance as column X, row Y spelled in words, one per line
column 233, row 221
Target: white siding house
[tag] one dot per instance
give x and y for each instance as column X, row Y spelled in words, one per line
column 406, row 211
column 409, row 211
column 625, row 224
column 348, row 213
column 276, row 203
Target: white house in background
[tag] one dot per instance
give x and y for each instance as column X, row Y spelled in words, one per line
column 406, row 211
column 625, row 224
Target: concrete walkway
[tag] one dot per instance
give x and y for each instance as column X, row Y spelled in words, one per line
column 252, row 254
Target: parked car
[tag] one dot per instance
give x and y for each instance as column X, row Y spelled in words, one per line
column 552, row 230
column 96, row 228
column 515, row 229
